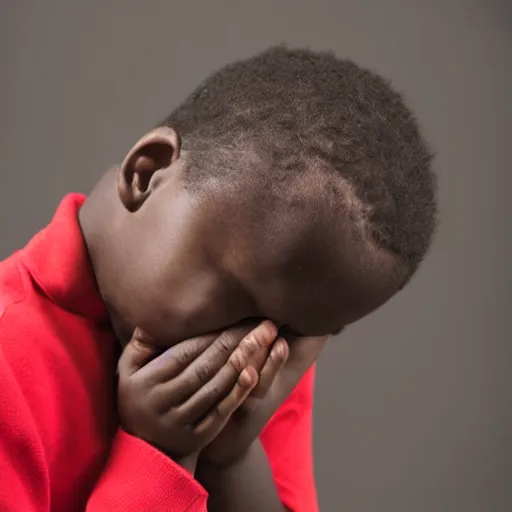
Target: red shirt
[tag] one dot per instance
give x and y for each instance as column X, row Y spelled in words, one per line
column 60, row 446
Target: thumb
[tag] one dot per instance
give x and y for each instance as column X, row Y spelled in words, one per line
column 136, row 354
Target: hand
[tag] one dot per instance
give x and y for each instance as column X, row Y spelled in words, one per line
column 180, row 400
column 282, row 370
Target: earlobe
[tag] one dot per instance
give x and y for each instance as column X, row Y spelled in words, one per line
column 154, row 152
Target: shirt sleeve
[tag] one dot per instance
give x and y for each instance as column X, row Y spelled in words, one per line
column 24, row 481
column 139, row 478
column 287, row 440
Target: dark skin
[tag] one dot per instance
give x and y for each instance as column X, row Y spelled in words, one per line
column 212, row 395
column 250, row 472
column 172, row 266
column 180, row 400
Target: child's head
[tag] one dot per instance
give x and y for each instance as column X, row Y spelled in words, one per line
column 293, row 186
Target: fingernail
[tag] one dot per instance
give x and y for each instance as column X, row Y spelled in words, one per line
column 282, row 348
column 269, row 329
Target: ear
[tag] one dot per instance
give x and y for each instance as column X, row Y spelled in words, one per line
column 154, row 152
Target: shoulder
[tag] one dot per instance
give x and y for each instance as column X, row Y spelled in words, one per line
column 22, row 457
column 12, row 283
column 14, row 317
column 19, row 316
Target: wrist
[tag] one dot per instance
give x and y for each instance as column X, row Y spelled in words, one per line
column 188, row 462
column 219, row 461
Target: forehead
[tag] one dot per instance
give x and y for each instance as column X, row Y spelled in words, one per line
column 304, row 272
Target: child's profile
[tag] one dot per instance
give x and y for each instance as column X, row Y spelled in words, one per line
column 288, row 196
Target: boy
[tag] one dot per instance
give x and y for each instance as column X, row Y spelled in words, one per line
column 290, row 195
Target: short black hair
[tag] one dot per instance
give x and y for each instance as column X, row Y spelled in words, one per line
column 314, row 110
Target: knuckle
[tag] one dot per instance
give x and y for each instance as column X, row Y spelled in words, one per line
column 237, row 361
column 185, row 353
column 159, row 402
column 198, row 345
column 216, row 415
column 224, row 344
column 251, row 342
column 171, row 419
column 203, row 373
column 211, row 423
column 260, row 337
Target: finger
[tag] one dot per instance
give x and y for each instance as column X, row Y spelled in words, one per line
column 234, row 347
column 275, row 361
column 175, row 359
column 254, row 347
column 135, row 355
column 217, row 418
column 212, row 393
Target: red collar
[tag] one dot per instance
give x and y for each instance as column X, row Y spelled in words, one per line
column 58, row 260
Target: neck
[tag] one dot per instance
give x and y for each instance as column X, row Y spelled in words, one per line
column 97, row 208
column 92, row 217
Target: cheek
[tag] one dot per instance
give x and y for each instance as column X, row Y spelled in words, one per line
column 190, row 307
column 171, row 317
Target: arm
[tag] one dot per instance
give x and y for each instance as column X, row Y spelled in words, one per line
column 134, row 472
column 24, row 478
column 206, row 374
column 246, row 485
column 281, row 474
column 127, row 484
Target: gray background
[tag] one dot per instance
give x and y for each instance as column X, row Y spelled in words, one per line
column 413, row 409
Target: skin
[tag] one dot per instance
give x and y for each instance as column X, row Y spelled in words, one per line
column 172, row 265
column 176, row 266
column 241, row 474
column 181, row 399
